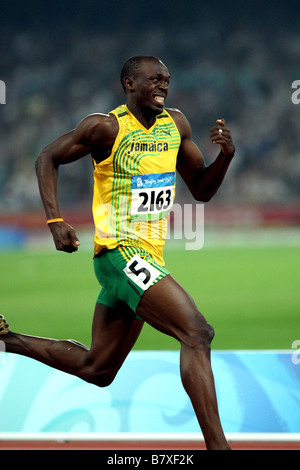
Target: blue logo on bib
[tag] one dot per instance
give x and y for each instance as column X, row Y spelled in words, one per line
column 155, row 180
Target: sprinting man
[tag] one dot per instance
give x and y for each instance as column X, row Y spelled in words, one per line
column 136, row 150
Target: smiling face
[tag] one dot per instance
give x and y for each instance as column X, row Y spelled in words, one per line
column 147, row 90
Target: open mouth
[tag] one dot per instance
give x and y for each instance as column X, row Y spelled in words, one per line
column 160, row 99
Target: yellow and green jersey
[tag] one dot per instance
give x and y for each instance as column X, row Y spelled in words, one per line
column 134, row 188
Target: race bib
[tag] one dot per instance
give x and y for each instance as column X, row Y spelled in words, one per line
column 141, row 272
column 152, row 194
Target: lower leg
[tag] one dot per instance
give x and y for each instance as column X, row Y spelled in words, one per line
column 167, row 307
column 114, row 333
column 65, row 355
column 198, row 381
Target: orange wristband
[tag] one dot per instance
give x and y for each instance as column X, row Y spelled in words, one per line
column 51, row 221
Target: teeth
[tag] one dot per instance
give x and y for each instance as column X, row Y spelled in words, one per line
column 159, row 99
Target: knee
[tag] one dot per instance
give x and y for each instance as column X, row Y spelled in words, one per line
column 100, row 379
column 97, row 376
column 199, row 333
column 206, row 335
column 210, row 332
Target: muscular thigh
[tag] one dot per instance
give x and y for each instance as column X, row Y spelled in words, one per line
column 125, row 273
column 114, row 333
column 169, row 308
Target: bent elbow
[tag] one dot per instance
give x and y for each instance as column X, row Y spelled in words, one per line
column 43, row 160
column 203, row 197
column 204, row 200
column 38, row 162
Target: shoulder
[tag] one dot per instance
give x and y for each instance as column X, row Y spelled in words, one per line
column 95, row 129
column 181, row 122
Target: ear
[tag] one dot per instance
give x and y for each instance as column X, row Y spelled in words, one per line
column 129, row 84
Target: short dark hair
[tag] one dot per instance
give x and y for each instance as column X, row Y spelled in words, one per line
column 132, row 65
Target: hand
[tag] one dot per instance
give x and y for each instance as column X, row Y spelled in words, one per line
column 64, row 237
column 221, row 135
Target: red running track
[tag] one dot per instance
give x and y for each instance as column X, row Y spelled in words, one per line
column 132, row 445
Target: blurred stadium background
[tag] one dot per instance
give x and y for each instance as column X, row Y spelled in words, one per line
column 61, row 61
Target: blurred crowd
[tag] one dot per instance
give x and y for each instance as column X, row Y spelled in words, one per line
column 245, row 76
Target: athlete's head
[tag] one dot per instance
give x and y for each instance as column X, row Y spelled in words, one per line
column 145, row 80
column 132, row 65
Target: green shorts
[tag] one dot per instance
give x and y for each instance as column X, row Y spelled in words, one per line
column 124, row 274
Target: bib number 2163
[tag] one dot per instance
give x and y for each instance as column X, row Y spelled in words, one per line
column 152, row 193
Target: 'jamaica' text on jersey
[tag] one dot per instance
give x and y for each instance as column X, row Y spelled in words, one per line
column 149, row 147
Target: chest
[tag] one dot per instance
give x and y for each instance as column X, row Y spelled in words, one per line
column 142, row 152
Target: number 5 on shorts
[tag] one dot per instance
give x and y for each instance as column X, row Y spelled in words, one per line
column 140, row 272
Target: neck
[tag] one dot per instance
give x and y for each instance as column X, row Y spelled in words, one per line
column 146, row 117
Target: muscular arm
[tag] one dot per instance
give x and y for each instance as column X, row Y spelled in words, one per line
column 203, row 181
column 94, row 134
